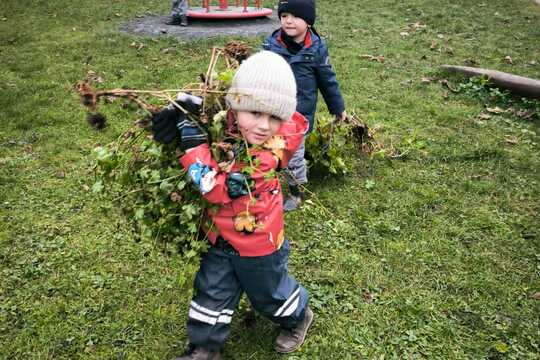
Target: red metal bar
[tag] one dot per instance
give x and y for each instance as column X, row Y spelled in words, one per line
column 245, row 5
column 223, row 5
column 206, row 4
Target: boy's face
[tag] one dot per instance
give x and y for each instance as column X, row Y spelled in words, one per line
column 257, row 127
column 294, row 26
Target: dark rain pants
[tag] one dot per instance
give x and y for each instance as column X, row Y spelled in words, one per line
column 223, row 277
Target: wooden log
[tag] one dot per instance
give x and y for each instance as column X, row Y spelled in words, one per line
column 517, row 84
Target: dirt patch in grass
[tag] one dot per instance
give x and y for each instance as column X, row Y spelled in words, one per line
column 156, row 26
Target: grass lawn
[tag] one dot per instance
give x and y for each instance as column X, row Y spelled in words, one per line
column 434, row 255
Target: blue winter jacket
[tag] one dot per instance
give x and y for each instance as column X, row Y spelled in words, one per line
column 313, row 71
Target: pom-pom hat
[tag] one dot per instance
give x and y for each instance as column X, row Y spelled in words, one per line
column 264, row 83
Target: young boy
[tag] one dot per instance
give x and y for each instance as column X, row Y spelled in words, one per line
column 248, row 251
column 300, row 45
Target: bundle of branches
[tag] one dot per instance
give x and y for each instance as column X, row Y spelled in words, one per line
column 144, row 176
column 333, row 140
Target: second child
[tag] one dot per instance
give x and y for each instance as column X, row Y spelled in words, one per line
column 300, row 45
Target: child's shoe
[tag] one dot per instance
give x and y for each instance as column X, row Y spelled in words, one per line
column 199, row 353
column 294, row 200
column 291, row 340
column 292, row 203
column 178, row 20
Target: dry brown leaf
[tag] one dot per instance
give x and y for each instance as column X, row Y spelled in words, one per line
column 418, row 26
column 536, row 296
column 526, row 114
column 379, row 58
column 176, row 197
column 484, row 116
column 366, row 295
column 508, row 60
column 511, row 140
column 276, row 142
column 434, row 45
column 244, row 221
column 495, row 110
column 404, row 34
column 226, row 166
column 426, row 80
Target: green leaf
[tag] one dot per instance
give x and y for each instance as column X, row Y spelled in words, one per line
column 97, row 187
column 139, row 214
column 501, row 347
column 166, row 187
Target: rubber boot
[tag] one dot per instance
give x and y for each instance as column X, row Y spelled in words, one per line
column 199, row 353
column 291, row 340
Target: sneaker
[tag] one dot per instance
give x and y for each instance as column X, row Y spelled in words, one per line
column 199, row 353
column 183, row 20
column 292, row 203
column 177, row 20
column 291, row 340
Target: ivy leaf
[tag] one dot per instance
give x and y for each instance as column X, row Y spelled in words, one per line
column 166, row 187
column 139, row 214
column 97, row 187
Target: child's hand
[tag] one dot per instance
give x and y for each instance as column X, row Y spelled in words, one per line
column 238, row 184
column 172, row 121
column 342, row 117
column 164, row 125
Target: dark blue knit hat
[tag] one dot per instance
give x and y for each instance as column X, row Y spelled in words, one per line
column 304, row 9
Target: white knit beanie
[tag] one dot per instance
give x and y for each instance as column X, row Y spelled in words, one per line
column 264, row 83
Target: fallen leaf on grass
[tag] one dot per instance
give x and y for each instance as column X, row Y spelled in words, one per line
column 136, row 45
column 60, row 174
column 536, row 296
column 406, row 82
column 92, row 76
column 446, row 83
column 470, row 62
column 484, row 116
column 379, row 58
column 434, row 45
column 526, row 114
column 508, row 60
column 168, row 50
column 532, row 63
column 426, row 80
column 418, row 26
column 367, row 297
column 511, row 141
column 495, row 110
column 404, row 34
column 448, row 50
